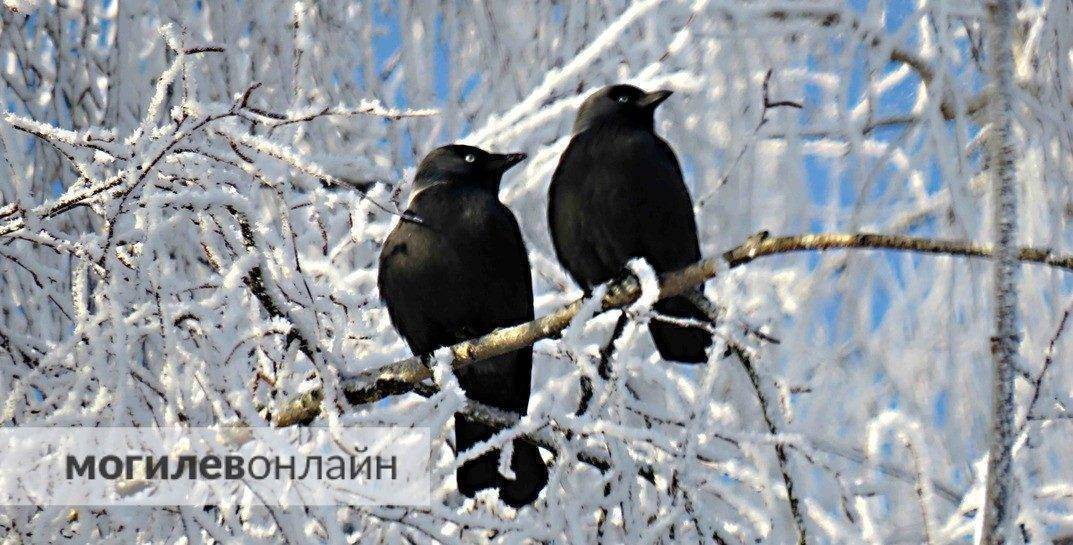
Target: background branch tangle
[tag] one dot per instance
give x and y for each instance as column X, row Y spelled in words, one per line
column 190, row 220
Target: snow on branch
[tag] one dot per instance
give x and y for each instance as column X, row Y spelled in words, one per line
column 193, row 197
column 403, row 375
column 366, row 107
column 1000, row 506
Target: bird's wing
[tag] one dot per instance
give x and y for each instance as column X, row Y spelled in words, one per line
column 465, row 272
column 401, row 280
column 558, row 210
column 448, row 281
column 636, row 203
column 502, row 269
column 503, row 297
column 572, row 212
column 670, row 241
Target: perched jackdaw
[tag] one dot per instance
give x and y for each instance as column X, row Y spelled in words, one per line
column 618, row 194
column 455, row 268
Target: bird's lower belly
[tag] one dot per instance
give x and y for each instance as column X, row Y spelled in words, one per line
column 482, row 369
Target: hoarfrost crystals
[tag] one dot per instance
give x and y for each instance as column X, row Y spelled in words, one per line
column 194, row 195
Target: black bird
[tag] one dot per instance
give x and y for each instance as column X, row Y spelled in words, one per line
column 618, row 194
column 454, row 268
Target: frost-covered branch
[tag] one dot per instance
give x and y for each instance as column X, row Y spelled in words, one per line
column 1000, row 503
column 766, row 408
column 401, row 376
column 1048, row 362
column 193, row 197
column 367, row 107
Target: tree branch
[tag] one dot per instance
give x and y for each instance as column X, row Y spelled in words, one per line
column 1048, row 360
column 402, row 376
column 542, row 438
column 780, row 448
column 1000, row 499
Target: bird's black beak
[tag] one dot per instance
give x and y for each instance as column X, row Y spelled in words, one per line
column 501, row 162
column 653, row 99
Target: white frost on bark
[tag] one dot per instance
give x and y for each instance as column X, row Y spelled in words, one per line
column 1000, row 512
column 189, row 226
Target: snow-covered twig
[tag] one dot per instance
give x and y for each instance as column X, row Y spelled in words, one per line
column 1048, row 361
column 766, row 408
column 366, row 107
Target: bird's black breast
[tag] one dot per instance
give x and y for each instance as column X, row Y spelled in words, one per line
column 459, row 271
column 618, row 193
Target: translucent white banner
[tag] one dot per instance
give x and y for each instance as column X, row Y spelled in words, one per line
column 214, row 466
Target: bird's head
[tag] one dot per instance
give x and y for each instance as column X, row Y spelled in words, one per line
column 466, row 165
column 619, row 104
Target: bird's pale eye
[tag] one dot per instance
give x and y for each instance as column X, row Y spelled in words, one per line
column 470, row 158
column 623, row 99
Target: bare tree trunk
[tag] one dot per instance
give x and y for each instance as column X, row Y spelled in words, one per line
column 999, row 509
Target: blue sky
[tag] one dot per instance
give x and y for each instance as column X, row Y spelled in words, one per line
column 820, row 178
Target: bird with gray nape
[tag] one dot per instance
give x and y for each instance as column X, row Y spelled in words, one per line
column 618, row 194
column 455, row 268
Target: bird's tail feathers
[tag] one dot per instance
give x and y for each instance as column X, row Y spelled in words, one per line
column 679, row 343
column 531, row 474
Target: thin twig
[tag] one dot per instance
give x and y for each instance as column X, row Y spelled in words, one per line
column 780, row 448
column 1048, row 360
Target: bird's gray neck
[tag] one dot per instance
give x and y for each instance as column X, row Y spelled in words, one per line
column 613, row 123
column 421, row 186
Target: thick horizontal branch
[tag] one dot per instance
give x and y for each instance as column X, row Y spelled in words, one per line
column 760, row 246
column 402, row 376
